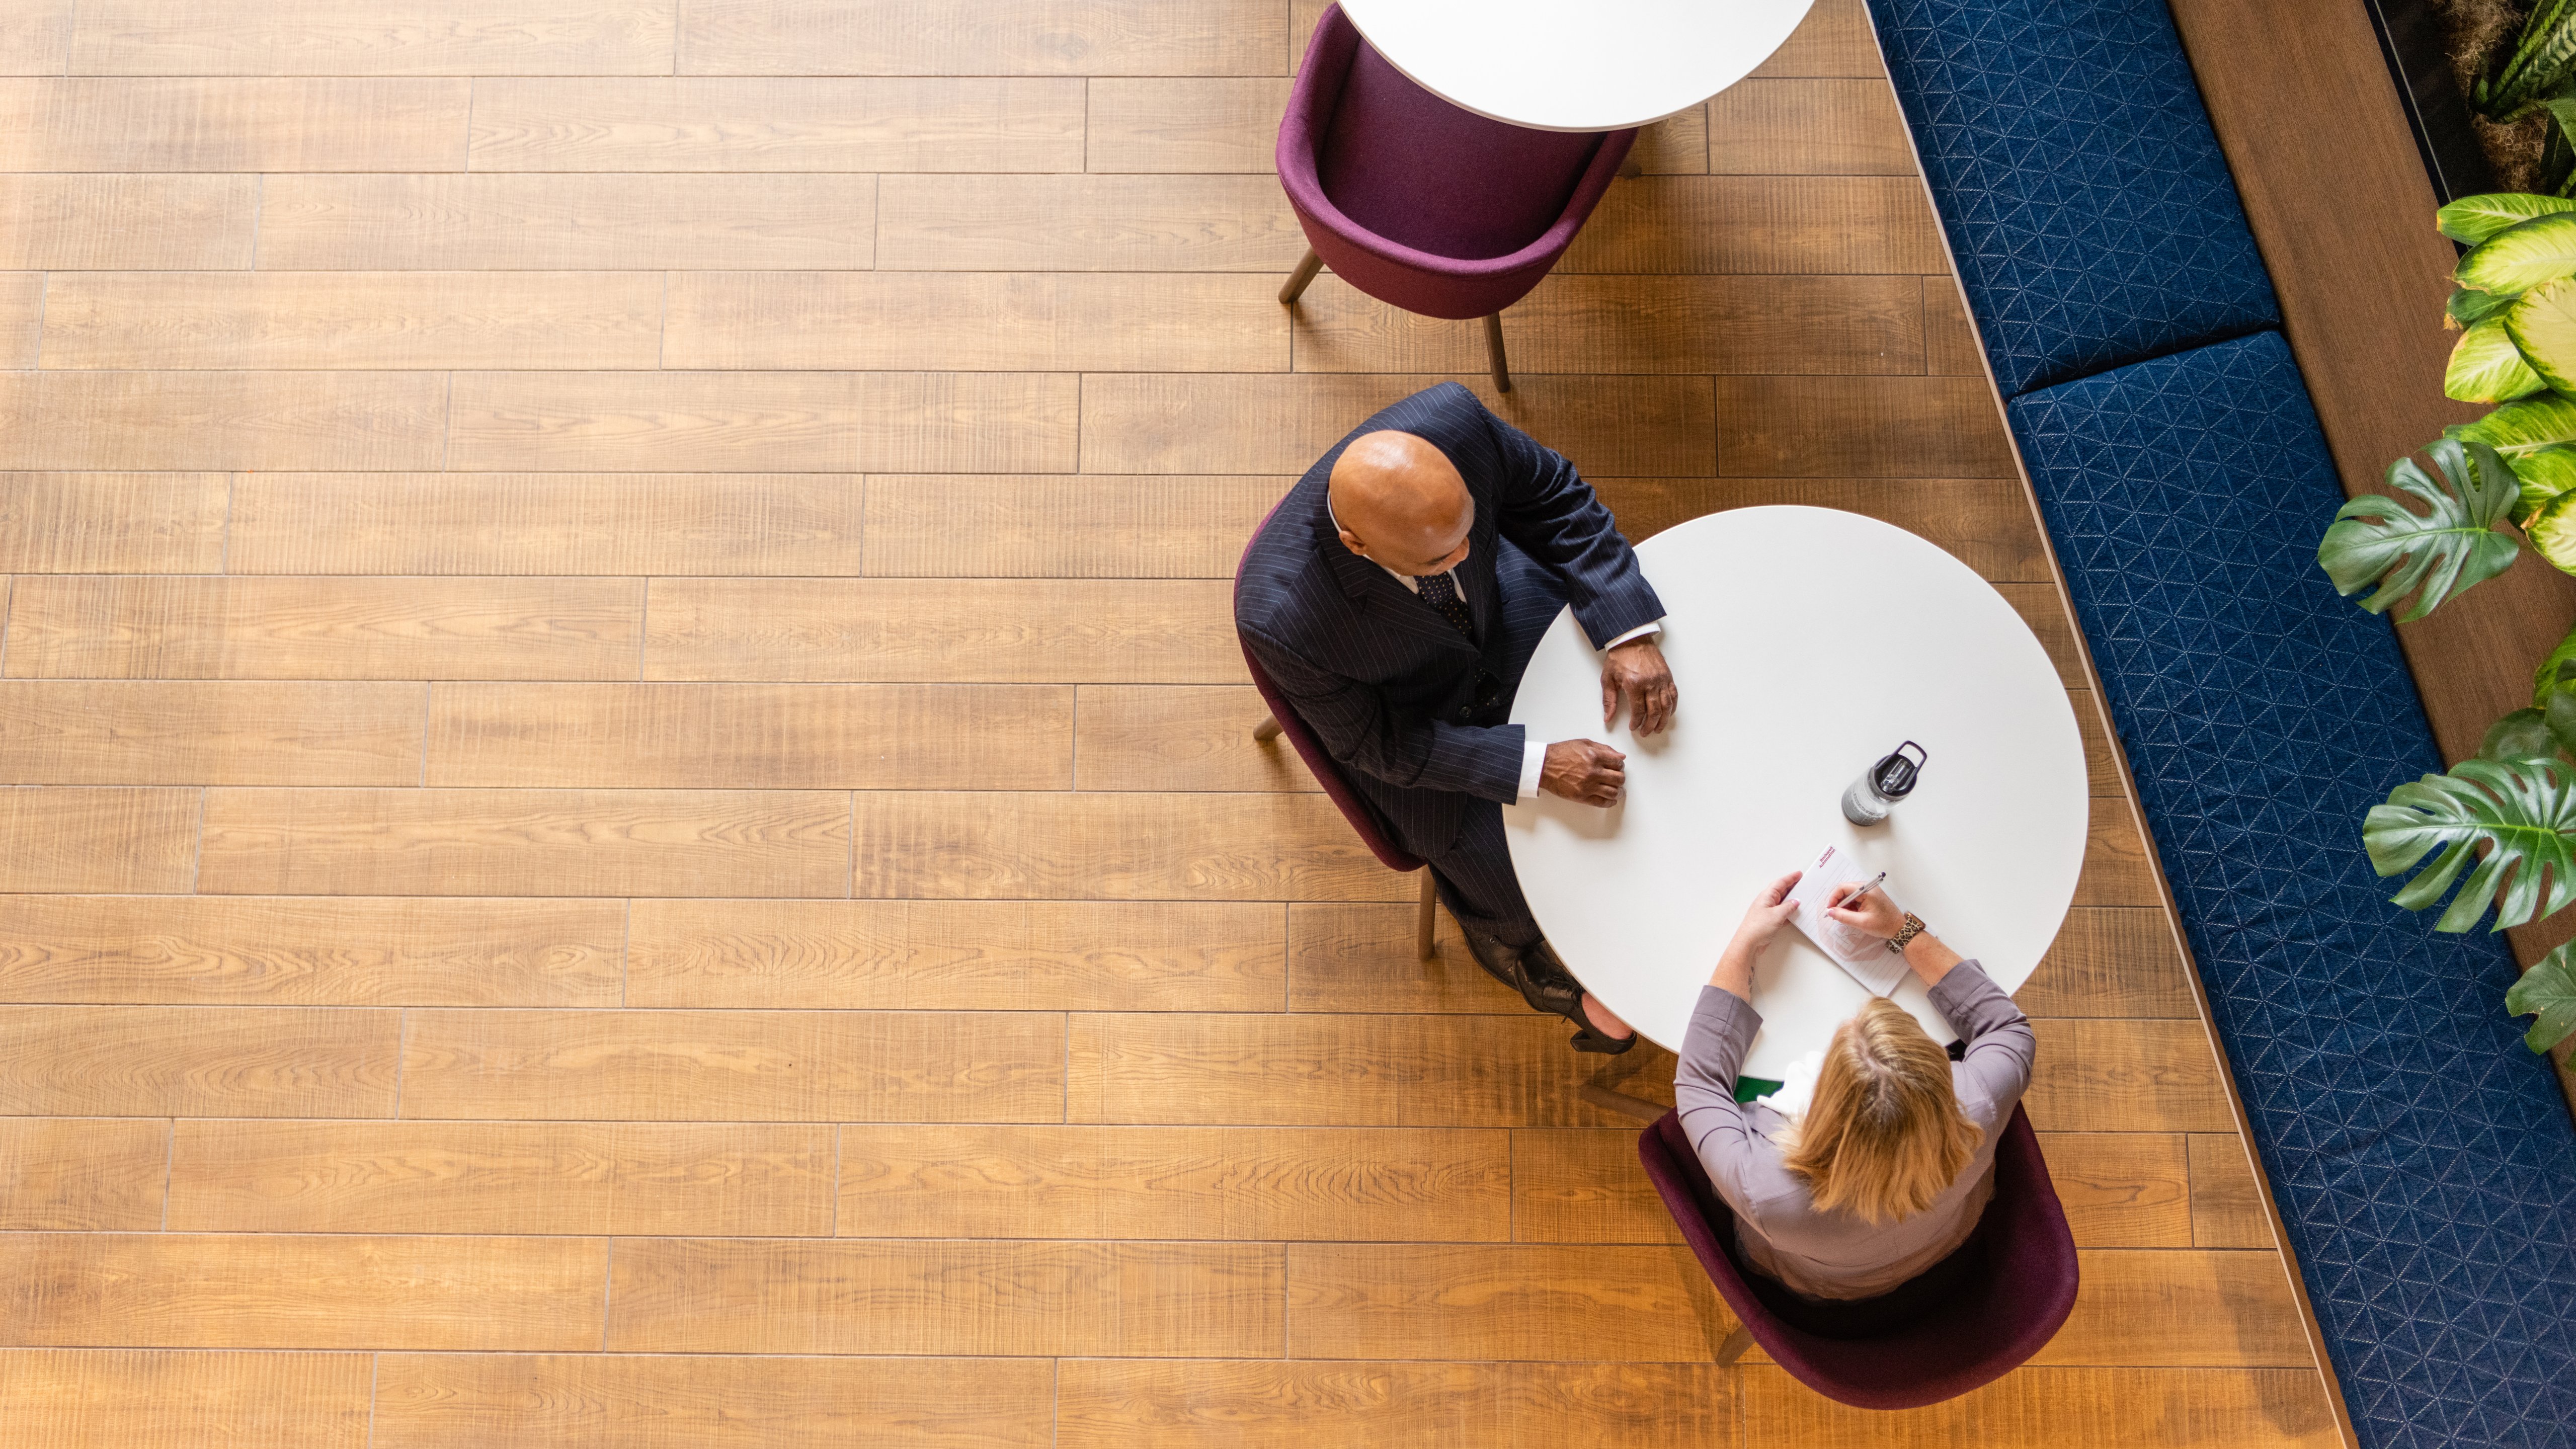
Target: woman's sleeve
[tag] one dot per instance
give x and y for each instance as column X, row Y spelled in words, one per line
column 2000, row 1041
column 1721, row 1032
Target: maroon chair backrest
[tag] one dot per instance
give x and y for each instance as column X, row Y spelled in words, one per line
column 2006, row 1314
column 1419, row 202
column 1327, row 770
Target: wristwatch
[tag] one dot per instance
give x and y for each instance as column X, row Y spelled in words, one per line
column 1913, row 927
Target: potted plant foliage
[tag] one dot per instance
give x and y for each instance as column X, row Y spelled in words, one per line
column 2502, row 825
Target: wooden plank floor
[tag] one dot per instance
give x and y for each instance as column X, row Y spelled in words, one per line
column 625, row 798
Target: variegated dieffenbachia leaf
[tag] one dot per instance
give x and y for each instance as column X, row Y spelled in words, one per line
column 2487, row 364
column 2522, row 257
column 2472, row 219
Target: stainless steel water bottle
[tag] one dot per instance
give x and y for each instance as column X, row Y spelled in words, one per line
column 1882, row 785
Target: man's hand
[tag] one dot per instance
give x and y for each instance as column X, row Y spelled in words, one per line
column 1637, row 670
column 1584, row 770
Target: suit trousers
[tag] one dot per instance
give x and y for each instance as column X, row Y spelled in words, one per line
column 1475, row 873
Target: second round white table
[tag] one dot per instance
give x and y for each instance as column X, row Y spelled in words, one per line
column 1576, row 65
column 1806, row 643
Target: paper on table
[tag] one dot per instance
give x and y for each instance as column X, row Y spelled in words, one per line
column 1867, row 958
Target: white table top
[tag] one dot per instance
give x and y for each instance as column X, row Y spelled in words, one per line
column 1576, row 65
column 1767, row 606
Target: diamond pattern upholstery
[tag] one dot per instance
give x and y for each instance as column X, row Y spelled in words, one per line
column 2423, row 1160
column 2091, row 214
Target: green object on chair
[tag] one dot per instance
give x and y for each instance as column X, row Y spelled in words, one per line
column 1748, row 1088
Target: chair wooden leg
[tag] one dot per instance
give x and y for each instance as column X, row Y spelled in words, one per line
column 1494, row 359
column 1737, row 1345
column 1298, row 279
column 1266, row 731
column 1603, row 1089
column 1426, row 922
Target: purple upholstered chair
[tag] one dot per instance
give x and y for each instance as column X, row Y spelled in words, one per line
column 1424, row 205
column 1328, row 773
column 2006, row 1313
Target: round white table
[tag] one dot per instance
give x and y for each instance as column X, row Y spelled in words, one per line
column 1576, row 65
column 1806, row 644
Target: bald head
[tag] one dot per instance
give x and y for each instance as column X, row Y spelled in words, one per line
column 1401, row 503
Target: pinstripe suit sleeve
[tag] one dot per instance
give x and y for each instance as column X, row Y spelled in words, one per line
column 1358, row 729
column 1556, row 518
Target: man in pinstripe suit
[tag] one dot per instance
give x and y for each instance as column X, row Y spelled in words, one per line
column 1395, row 598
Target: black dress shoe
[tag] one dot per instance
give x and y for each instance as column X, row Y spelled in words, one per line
column 1545, row 984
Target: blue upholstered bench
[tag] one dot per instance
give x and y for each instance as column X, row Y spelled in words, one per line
column 2423, row 1162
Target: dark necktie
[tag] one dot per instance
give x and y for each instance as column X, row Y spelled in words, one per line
column 1441, row 594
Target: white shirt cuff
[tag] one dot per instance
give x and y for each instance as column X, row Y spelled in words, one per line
column 1640, row 632
column 1533, row 761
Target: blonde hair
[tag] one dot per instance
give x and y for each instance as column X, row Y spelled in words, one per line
column 1883, row 1135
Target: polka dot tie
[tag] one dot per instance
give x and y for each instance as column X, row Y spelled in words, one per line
column 1441, row 594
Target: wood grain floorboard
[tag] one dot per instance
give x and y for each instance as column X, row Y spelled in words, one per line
column 353, row 320
column 36, row 37
column 1830, row 225
column 714, row 1295
column 1839, row 326
column 1144, row 1404
column 1167, row 1067
column 602, row 222
column 1088, row 526
column 2111, row 961
column 920, row 844
column 1179, row 737
column 627, row 524
column 787, row 422
column 1834, row 40
column 1677, row 145
column 532, row 842
column 1182, row 124
column 1362, row 957
column 112, row 523
column 756, row 736
column 1584, row 1185
column 226, row 123
column 217, row 420
column 129, row 1399
column 1279, row 425
column 724, row 124
column 82, row 1174
column 2122, row 1189
column 310, row 951
column 373, row 37
column 1892, row 427
column 1086, row 223
column 662, row 1401
column 1439, row 1301
column 142, row 732
column 2226, row 1208
column 196, row 1061
column 955, row 955
column 2114, row 1408
column 97, row 839
column 1982, row 522
column 76, row 221
column 1949, row 338
column 999, row 631
column 925, row 37
column 507, row 1178
column 277, row 1290
column 1256, row 1183
column 975, row 322
column 165, row 627
column 2098, row 1075
column 22, row 310
column 1784, row 127
column 736, row 1066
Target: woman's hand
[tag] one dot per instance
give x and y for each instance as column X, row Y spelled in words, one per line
column 1771, row 909
column 1875, row 914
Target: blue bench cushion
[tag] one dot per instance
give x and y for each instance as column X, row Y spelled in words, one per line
column 2423, row 1160
column 2091, row 213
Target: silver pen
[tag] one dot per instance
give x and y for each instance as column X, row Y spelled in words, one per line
column 1846, row 903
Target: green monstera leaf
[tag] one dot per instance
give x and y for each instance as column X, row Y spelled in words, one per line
column 2543, row 325
column 2487, row 365
column 2548, row 989
column 2472, row 219
column 2516, row 819
column 2521, row 735
column 2520, row 258
column 2553, row 696
column 2449, row 547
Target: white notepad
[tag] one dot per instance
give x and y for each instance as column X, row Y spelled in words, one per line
column 1867, row 958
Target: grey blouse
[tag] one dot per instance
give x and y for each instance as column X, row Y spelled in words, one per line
column 1836, row 1255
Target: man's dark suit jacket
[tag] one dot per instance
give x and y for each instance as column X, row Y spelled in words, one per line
column 1392, row 688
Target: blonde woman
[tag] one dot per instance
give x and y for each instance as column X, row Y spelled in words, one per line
column 1885, row 1173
